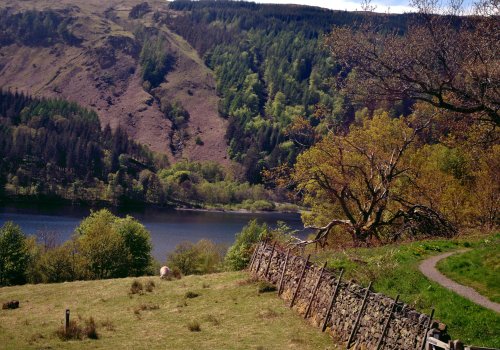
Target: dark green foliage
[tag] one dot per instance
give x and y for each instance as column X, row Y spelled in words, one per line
column 36, row 28
column 175, row 112
column 14, row 255
column 137, row 241
column 155, row 60
column 58, row 264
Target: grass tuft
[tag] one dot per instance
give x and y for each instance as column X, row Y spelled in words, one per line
column 136, row 287
column 191, row 295
column 194, row 326
column 212, row 319
column 90, row 329
column 73, row 332
column 150, row 286
column 266, row 287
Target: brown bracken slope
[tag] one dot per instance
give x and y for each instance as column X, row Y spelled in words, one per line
column 103, row 73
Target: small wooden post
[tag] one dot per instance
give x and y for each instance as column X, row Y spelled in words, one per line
column 315, row 290
column 270, row 261
column 282, row 277
column 429, row 323
column 253, row 256
column 355, row 328
column 387, row 321
column 332, row 300
column 66, row 324
column 300, row 281
column 255, row 253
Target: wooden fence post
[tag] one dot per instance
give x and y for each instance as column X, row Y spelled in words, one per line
column 253, row 256
column 334, row 295
column 429, row 323
column 387, row 321
column 66, row 323
column 358, row 318
column 300, row 281
column 315, row 290
column 280, row 288
column 270, row 261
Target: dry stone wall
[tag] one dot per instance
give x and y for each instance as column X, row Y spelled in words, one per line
column 355, row 316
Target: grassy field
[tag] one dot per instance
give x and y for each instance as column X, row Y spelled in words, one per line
column 394, row 270
column 478, row 268
column 229, row 310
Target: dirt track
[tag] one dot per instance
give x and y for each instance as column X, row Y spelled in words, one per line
column 428, row 268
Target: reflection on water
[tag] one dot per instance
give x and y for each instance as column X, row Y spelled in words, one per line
column 167, row 227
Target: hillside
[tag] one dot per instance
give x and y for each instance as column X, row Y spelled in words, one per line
column 101, row 69
column 230, row 311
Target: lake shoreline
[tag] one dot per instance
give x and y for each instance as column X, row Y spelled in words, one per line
column 42, row 201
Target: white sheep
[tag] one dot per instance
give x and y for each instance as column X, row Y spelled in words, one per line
column 165, row 272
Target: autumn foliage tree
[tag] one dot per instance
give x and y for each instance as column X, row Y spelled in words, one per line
column 360, row 181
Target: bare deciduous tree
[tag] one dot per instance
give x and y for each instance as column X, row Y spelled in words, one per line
column 451, row 62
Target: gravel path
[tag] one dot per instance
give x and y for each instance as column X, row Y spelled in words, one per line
column 428, row 268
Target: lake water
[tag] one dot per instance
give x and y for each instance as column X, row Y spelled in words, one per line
column 168, row 227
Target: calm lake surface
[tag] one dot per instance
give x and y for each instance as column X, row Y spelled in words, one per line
column 167, row 227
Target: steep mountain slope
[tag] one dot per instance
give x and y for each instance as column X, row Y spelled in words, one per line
column 102, row 71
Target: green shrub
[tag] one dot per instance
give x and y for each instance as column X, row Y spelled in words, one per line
column 239, row 254
column 58, row 264
column 199, row 258
column 113, row 247
column 14, row 255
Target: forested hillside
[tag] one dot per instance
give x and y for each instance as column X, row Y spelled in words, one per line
column 272, row 68
column 56, row 149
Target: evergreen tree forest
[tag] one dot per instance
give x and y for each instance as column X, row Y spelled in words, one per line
column 36, row 28
column 57, row 148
